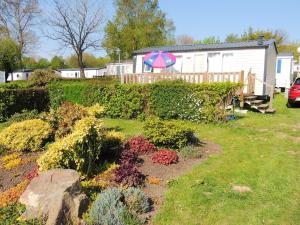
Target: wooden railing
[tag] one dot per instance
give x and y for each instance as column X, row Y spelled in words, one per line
column 269, row 86
column 250, row 83
column 146, row 78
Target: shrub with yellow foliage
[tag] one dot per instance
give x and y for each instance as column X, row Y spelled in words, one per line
column 28, row 135
column 11, row 161
column 112, row 144
column 96, row 110
column 79, row 150
column 102, row 180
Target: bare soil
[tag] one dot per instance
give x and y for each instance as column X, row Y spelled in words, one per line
column 166, row 173
column 10, row 178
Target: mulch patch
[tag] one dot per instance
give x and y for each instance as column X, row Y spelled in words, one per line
column 10, row 178
column 167, row 173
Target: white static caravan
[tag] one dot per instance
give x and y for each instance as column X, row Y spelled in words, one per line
column 117, row 69
column 88, row 72
column 2, row 76
column 284, row 70
column 258, row 56
column 19, row 75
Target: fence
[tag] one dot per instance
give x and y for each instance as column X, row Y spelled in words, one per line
column 146, row 78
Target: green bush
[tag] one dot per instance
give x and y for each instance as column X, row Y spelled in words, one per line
column 24, row 115
column 16, row 100
column 42, row 77
column 168, row 134
column 29, row 135
column 19, row 84
column 167, row 100
column 196, row 102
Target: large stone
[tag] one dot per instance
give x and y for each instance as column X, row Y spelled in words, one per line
column 56, row 196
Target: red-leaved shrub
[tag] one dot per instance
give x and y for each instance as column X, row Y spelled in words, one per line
column 140, row 145
column 165, row 157
column 128, row 157
column 128, row 175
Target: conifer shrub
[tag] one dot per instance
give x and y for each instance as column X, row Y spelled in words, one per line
column 108, row 208
column 136, row 200
column 119, row 207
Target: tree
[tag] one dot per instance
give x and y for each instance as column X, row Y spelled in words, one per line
column 89, row 60
column 279, row 36
column 184, row 40
column 29, row 62
column 9, row 55
column 17, row 19
column 232, row 38
column 43, row 63
column 137, row 24
column 76, row 24
column 57, row 62
column 290, row 47
column 209, row 40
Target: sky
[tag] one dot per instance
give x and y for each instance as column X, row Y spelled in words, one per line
column 200, row 19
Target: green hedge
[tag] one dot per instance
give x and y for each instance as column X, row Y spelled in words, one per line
column 167, row 100
column 15, row 100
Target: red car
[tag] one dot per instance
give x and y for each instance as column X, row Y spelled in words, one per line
column 294, row 93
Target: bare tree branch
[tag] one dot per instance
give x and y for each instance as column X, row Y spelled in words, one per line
column 18, row 17
column 76, row 24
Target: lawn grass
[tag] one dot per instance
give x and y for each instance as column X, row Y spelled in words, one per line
column 258, row 151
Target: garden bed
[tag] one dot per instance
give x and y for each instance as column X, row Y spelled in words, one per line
column 164, row 175
column 11, row 177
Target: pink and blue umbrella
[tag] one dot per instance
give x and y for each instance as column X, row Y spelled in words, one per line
column 159, row 59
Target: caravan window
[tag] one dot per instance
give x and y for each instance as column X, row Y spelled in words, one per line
column 279, row 66
column 214, row 62
column 177, row 67
column 227, row 62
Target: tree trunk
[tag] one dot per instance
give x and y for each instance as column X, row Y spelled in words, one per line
column 81, row 66
column 6, row 75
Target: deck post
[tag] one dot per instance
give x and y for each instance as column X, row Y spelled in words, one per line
column 242, row 81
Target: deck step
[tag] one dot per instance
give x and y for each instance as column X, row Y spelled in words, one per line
column 263, row 106
column 250, row 98
column 271, row 111
column 256, row 102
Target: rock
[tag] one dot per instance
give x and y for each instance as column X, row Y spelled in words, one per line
column 241, row 189
column 56, row 196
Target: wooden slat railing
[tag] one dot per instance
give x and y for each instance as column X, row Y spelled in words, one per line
column 146, row 78
column 269, row 86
